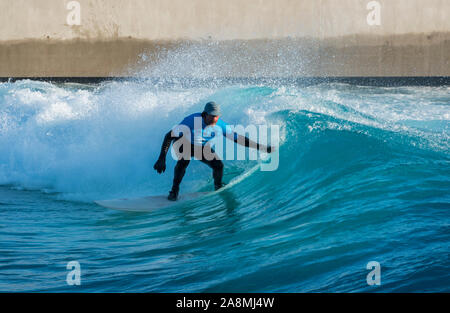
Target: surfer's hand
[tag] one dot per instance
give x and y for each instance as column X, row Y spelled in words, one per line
column 160, row 165
column 267, row 149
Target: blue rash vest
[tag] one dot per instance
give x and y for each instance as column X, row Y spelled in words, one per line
column 202, row 135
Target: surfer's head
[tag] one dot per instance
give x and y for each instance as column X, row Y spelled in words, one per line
column 211, row 113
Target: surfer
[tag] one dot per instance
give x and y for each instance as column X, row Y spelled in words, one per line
column 210, row 125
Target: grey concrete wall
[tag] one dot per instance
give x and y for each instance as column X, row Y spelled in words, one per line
column 250, row 37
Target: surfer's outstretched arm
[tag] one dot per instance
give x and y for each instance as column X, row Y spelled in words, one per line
column 245, row 141
column 166, row 144
column 160, row 165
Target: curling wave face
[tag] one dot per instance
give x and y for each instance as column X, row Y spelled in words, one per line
column 363, row 174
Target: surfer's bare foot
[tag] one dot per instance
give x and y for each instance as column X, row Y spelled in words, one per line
column 173, row 195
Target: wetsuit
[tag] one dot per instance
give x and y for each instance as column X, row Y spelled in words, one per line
column 199, row 137
column 200, row 134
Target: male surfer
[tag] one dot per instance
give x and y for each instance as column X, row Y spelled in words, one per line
column 200, row 134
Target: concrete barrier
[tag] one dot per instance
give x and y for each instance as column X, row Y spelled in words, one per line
column 241, row 38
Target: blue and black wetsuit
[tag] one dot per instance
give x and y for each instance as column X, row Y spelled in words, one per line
column 199, row 136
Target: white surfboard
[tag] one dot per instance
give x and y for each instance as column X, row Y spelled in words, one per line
column 147, row 204
column 150, row 203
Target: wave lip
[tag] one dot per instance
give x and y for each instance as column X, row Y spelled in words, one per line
column 98, row 140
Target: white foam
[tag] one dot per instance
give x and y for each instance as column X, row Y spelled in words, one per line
column 102, row 141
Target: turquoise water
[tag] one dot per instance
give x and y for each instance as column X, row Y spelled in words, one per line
column 363, row 176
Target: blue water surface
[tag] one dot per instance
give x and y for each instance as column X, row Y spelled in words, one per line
column 364, row 175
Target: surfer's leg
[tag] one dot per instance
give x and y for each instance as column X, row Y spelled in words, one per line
column 217, row 166
column 180, row 170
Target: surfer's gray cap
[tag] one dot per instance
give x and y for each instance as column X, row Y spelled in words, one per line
column 212, row 108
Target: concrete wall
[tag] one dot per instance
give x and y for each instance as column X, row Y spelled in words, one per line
column 310, row 37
